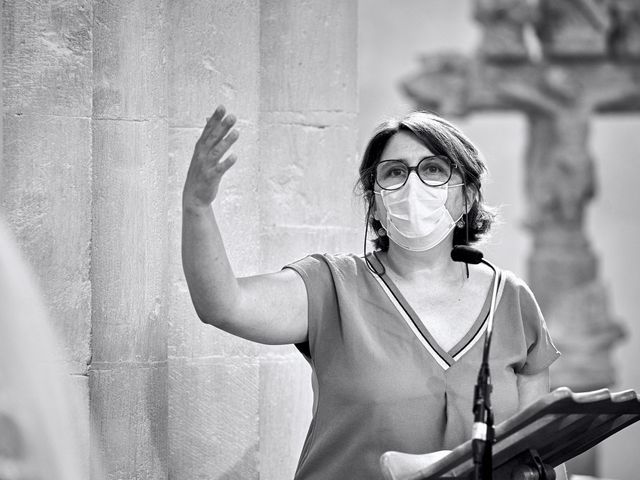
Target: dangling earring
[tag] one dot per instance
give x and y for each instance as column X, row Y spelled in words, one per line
column 460, row 223
column 381, row 232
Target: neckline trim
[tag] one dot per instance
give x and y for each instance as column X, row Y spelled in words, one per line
column 444, row 358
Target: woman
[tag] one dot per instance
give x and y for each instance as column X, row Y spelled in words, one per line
column 394, row 339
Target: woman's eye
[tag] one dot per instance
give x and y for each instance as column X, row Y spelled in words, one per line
column 434, row 168
column 395, row 172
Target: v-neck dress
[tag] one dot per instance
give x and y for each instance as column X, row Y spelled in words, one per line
column 382, row 383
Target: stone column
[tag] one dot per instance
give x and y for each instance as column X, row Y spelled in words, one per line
column 128, row 374
column 46, row 168
column 45, row 171
column 213, row 376
column 307, row 168
column 237, row 409
column 1, row 94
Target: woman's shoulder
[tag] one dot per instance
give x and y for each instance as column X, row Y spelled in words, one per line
column 511, row 285
column 339, row 262
column 507, row 277
column 511, row 278
column 515, row 288
column 344, row 262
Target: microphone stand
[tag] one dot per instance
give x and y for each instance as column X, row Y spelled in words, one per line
column 483, row 431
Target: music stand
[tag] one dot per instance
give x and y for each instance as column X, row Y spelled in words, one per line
column 550, row 431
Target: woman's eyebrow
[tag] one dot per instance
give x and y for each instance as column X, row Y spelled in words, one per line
column 404, row 159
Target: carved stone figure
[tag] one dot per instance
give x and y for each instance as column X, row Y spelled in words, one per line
column 505, row 23
column 442, row 84
column 573, row 28
column 560, row 175
column 624, row 32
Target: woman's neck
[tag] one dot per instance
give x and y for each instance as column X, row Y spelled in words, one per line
column 436, row 262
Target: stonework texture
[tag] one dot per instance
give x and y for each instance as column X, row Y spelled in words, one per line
column 45, row 179
column 103, row 104
column 128, row 373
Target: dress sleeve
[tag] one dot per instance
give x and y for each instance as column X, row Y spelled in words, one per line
column 321, row 296
column 541, row 352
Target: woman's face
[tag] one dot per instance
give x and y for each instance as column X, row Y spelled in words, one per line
column 406, row 147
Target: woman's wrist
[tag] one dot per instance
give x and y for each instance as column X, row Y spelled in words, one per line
column 194, row 207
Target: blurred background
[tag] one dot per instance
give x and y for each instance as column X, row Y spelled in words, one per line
column 102, row 104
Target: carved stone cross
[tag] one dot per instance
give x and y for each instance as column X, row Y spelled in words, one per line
column 559, row 62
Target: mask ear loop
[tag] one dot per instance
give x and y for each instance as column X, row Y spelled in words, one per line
column 366, row 230
column 466, row 222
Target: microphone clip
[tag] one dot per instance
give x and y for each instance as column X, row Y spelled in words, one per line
column 483, row 432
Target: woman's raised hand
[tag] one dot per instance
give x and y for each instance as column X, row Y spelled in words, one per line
column 264, row 308
column 207, row 167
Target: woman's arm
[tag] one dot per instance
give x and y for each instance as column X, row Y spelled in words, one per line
column 530, row 389
column 268, row 308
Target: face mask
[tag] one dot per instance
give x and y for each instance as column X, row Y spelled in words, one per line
column 416, row 216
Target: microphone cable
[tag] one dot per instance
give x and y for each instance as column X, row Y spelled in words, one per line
column 482, row 432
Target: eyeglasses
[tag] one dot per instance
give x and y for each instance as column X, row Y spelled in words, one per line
column 434, row 171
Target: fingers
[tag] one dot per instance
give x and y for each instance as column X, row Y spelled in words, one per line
column 220, row 130
column 217, row 127
column 218, row 150
column 207, row 165
column 226, row 164
column 217, row 137
column 213, row 120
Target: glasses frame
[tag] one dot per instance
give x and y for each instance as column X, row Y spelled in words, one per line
column 410, row 169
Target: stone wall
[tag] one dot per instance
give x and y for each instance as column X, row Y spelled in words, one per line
column 128, row 370
column 103, row 103
column 45, row 171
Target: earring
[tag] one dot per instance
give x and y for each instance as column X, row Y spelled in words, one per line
column 460, row 223
column 381, row 232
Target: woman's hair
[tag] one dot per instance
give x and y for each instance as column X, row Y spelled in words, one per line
column 441, row 138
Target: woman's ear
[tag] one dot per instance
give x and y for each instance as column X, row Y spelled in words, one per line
column 472, row 197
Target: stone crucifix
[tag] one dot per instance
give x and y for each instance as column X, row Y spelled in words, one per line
column 559, row 62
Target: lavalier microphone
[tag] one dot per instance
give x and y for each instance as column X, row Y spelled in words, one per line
column 466, row 254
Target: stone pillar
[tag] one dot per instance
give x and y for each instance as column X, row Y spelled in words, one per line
column 213, row 376
column 1, row 89
column 308, row 166
column 128, row 374
column 45, row 189
column 45, row 171
column 288, row 71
